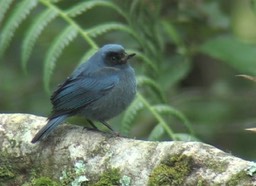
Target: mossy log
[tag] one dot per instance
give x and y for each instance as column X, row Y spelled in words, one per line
column 72, row 155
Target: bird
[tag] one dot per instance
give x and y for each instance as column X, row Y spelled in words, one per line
column 99, row 89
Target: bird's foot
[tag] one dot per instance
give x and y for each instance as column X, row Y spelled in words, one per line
column 91, row 129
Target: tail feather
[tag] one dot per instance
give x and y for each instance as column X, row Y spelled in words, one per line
column 45, row 131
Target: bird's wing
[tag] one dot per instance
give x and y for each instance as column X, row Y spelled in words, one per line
column 83, row 90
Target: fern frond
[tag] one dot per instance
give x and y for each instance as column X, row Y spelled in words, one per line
column 180, row 67
column 69, row 21
column 87, row 5
column 186, row 137
column 87, row 55
column 103, row 28
column 158, row 117
column 4, row 6
column 151, row 64
column 20, row 13
column 172, row 32
column 55, row 50
column 33, row 33
column 167, row 109
column 156, row 133
column 143, row 80
column 130, row 115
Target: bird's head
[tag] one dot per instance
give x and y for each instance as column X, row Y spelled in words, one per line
column 115, row 55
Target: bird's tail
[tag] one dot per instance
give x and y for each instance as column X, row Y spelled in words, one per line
column 45, row 131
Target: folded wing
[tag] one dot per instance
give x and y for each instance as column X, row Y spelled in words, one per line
column 78, row 92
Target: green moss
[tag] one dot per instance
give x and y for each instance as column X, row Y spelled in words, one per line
column 70, row 177
column 201, row 182
column 216, row 166
column 20, row 171
column 6, row 173
column 238, row 179
column 172, row 171
column 109, row 178
column 44, row 181
column 75, row 177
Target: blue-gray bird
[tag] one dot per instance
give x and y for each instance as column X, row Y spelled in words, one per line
column 99, row 90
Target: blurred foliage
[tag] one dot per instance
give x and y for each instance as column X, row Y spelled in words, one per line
column 188, row 55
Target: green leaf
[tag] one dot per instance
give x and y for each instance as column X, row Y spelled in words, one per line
column 55, row 50
column 156, row 133
column 130, row 115
column 4, row 6
column 19, row 14
column 103, row 28
column 235, row 53
column 34, row 32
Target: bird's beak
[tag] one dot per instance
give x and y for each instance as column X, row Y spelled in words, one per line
column 127, row 57
column 130, row 56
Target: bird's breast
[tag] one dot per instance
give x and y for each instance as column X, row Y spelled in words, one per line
column 119, row 98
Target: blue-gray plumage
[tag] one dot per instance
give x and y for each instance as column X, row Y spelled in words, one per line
column 99, row 90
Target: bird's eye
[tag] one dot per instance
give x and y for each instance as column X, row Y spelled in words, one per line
column 113, row 58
